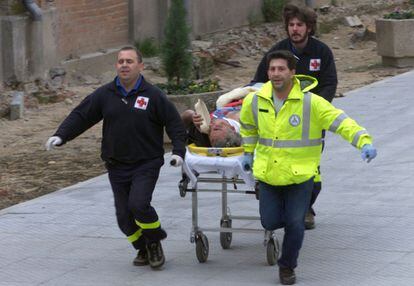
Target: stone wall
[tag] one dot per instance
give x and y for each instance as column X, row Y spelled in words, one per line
column 215, row 15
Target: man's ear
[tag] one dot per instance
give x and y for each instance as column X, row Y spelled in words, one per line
column 141, row 66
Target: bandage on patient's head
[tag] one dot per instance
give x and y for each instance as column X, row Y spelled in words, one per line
column 233, row 123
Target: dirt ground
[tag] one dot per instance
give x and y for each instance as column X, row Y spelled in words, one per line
column 28, row 171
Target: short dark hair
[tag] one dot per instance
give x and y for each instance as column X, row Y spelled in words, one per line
column 282, row 54
column 304, row 14
column 132, row 48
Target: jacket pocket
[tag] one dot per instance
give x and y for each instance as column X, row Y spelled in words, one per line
column 304, row 170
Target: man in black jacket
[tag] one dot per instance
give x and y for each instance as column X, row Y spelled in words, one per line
column 134, row 115
column 314, row 58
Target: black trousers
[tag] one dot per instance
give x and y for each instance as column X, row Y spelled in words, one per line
column 132, row 186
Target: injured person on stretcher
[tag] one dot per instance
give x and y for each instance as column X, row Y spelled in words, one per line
column 222, row 126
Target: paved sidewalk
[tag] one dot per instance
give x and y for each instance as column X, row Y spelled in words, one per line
column 364, row 234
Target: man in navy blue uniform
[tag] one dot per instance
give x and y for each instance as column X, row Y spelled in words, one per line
column 314, row 58
column 134, row 115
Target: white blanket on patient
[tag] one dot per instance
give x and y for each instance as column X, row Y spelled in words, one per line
column 228, row 167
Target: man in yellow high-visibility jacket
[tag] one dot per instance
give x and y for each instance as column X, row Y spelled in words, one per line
column 281, row 126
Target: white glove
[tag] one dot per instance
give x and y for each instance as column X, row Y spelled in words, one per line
column 52, row 142
column 176, row 161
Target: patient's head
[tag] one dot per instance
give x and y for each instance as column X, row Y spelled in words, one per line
column 222, row 134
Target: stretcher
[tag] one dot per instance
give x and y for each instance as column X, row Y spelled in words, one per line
column 220, row 167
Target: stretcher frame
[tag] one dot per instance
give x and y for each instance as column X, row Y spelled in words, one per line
column 189, row 183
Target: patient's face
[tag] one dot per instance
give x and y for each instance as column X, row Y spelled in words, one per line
column 219, row 128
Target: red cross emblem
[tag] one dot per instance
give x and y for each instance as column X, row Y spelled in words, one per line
column 315, row 64
column 141, row 102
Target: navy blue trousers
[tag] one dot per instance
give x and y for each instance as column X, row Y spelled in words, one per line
column 286, row 206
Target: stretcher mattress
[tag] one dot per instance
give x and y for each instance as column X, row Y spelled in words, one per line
column 208, row 160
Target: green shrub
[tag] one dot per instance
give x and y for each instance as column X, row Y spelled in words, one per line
column 255, row 18
column 189, row 86
column 17, row 8
column 175, row 53
column 400, row 14
column 148, row 47
column 326, row 27
column 272, row 10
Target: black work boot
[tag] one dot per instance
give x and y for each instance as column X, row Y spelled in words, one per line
column 155, row 254
column 287, row 276
column 142, row 258
column 309, row 220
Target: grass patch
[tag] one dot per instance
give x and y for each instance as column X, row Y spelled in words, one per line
column 148, row 47
column 327, row 27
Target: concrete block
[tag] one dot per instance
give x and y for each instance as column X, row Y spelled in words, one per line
column 93, row 65
column 353, row 21
column 394, row 40
column 17, row 106
column 398, row 62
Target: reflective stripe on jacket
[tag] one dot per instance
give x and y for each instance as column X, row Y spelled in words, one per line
column 288, row 144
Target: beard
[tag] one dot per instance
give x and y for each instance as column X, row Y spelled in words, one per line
column 279, row 85
column 298, row 39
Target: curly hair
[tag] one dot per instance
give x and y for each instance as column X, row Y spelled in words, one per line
column 305, row 14
column 232, row 139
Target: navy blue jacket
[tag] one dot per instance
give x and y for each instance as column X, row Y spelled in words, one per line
column 315, row 60
column 133, row 126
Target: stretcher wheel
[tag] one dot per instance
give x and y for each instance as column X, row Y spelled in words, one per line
column 202, row 248
column 272, row 251
column 226, row 237
column 182, row 186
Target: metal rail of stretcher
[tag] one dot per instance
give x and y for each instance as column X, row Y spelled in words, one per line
column 226, row 230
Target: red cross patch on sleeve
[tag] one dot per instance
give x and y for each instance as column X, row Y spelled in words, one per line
column 315, row 65
column 141, row 102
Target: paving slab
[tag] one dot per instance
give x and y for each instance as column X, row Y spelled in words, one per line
column 364, row 234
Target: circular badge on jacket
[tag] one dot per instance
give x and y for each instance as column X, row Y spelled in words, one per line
column 294, row 120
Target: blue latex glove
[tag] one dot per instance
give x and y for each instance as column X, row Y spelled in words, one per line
column 368, row 152
column 247, row 161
